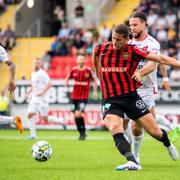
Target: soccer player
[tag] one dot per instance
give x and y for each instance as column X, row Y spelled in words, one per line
column 40, row 84
column 147, row 74
column 115, row 63
column 82, row 76
column 4, row 57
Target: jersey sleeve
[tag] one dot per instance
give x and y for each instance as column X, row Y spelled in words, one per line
column 3, row 55
column 46, row 77
column 138, row 54
column 97, row 50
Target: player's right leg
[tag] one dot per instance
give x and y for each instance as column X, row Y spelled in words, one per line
column 10, row 119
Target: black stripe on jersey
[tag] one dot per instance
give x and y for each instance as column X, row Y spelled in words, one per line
column 110, row 74
column 103, row 74
column 118, row 58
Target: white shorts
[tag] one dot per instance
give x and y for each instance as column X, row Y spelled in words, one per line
column 147, row 96
column 38, row 107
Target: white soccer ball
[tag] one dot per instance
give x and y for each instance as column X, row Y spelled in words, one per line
column 41, row 151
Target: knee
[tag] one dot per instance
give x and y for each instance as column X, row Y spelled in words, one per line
column 137, row 130
column 30, row 115
column 113, row 126
column 78, row 114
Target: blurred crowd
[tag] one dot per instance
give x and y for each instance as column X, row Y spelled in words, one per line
column 7, row 38
column 72, row 39
column 163, row 24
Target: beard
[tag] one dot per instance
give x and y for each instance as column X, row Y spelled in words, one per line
column 137, row 35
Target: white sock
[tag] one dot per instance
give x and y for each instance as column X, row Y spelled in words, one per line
column 6, row 119
column 128, row 133
column 32, row 126
column 136, row 145
column 55, row 119
column 161, row 120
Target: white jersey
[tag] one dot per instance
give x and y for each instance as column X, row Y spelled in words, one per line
column 3, row 55
column 39, row 79
column 149, row 44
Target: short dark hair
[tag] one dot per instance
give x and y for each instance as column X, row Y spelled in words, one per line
column 122, row 29
column 141, row 15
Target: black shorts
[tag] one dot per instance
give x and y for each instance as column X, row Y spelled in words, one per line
column 78, row 105
column 130, row 103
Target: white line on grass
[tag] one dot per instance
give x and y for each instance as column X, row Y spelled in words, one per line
column 60, row 137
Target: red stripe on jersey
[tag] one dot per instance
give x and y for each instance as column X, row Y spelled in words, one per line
column 116, row 69
column 82, row 80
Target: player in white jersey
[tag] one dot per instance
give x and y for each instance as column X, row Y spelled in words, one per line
column 38, row 104
column 4, row 57
column 147, row 70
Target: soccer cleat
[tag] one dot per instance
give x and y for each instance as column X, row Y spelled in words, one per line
column 18, row 124
column 175, row 134
column 82, row 137
column 129, row 166
column 62, row 121
column 173, row 152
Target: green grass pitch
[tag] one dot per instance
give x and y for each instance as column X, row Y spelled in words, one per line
column 92, row 159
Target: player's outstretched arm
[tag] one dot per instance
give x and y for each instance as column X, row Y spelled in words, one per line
column 163, row 60
column 148, row 68
column 12, row 70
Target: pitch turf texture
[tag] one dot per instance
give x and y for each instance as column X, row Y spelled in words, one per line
column 92, row 159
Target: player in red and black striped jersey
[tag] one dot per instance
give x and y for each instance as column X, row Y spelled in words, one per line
column 115, row 63
column 82, row 76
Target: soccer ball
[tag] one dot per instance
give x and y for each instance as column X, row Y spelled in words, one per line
column 41, row 151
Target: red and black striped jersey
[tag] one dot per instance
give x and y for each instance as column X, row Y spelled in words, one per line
column 82, row 79
column 117, row 68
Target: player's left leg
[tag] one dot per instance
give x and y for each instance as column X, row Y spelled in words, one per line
column 79, row 119
column 148, row 122
column 170, row 127
column 10, row 119
column 44, row 109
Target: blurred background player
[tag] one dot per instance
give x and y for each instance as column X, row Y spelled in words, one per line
column 4, row 57
column 82, row 76
column 40, row 84
column 147, row 74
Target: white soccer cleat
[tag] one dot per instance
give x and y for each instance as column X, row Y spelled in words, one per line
column 173, row 152
column 129, row 166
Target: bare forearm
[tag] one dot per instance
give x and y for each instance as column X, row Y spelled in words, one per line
column 163, row 60
column 147, row 69
column 12, row 70
column 163, row 70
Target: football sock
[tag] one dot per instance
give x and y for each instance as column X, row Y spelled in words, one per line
column 136, row 145
column 32, row 126
column 128, row 133
column 161, row 120
column 165, row 138
column 80, row 125
column 123, row 147
column 6, row 119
